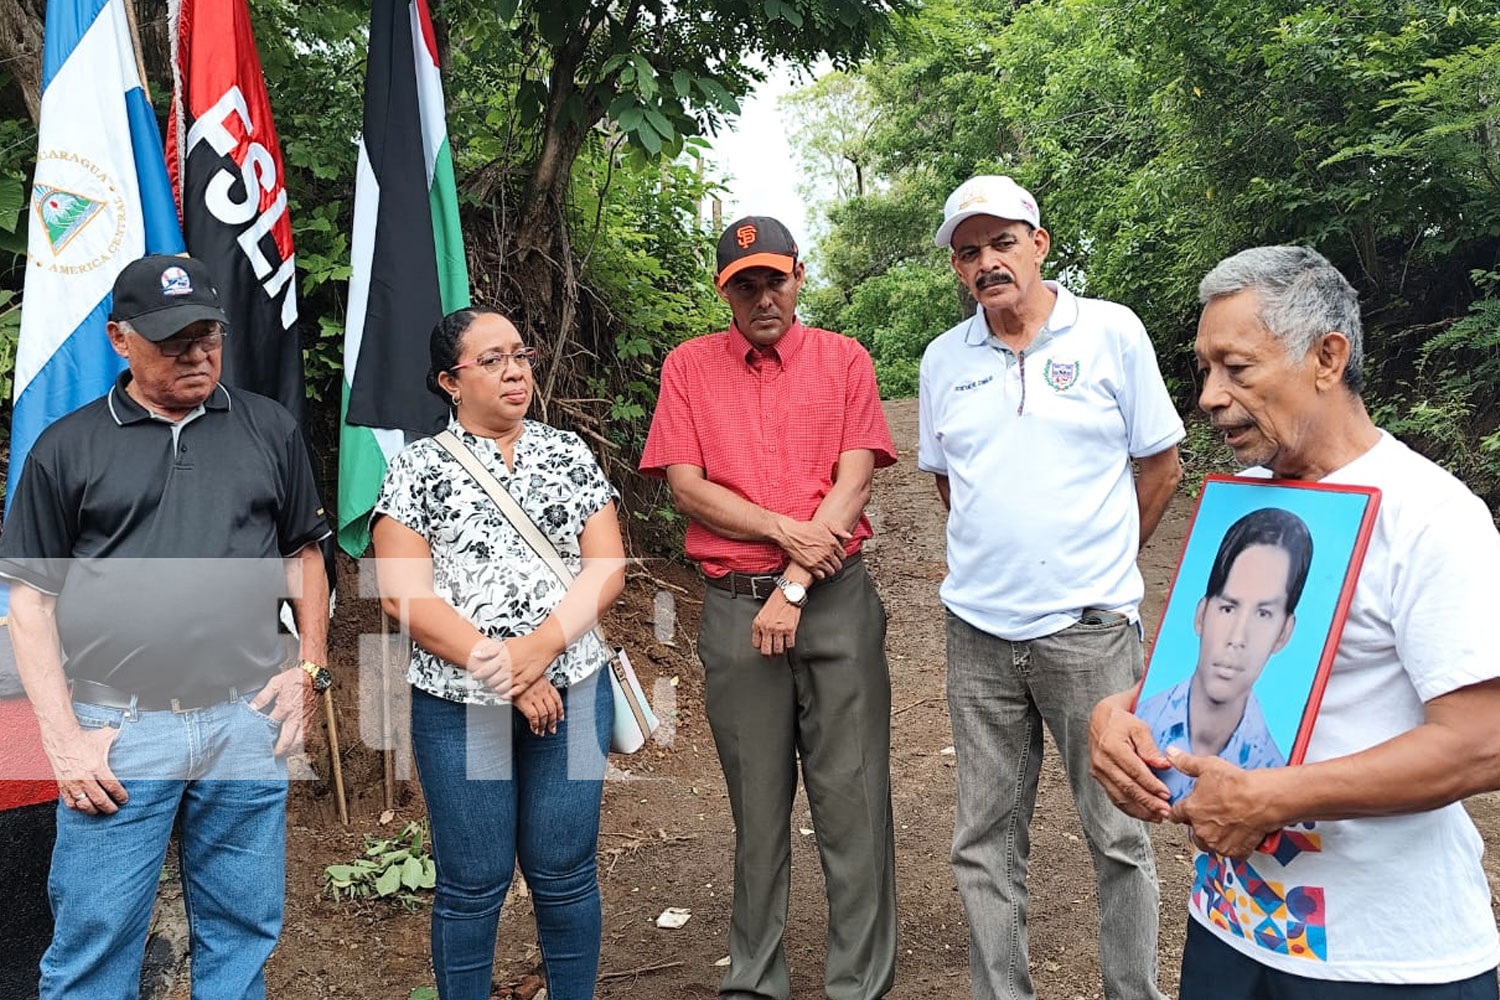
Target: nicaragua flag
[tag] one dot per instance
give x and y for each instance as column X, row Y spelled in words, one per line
column 408, row 259
column 100, row 199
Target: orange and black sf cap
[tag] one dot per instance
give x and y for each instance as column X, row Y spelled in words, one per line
column 755, row 241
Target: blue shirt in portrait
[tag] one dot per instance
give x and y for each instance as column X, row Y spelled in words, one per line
column 1250, row 745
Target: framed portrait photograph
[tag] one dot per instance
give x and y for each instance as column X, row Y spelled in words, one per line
column 1253, row 620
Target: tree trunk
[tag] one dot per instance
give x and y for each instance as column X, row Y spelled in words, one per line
column 21, row 24
column 156, row 50
column 545, row 276
column 21, row 30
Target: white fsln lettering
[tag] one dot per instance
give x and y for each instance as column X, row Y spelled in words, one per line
column 258, row 174
column 211, row 125
column 249, row 240
column 289, row 303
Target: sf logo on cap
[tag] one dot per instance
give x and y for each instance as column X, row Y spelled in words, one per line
column 745, row 236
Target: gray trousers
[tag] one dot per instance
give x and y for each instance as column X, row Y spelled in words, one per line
column 999, row 695
column 827, row 700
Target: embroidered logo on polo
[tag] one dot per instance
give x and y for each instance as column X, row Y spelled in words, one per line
column 1060, row 375
column 745, row 236
column 175, row 281
column 973, row 384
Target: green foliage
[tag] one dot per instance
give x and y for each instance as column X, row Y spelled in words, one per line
column 423, row 993
column 829, row 123
column 1439, row 419
column 10, row 329
column 544, row 72
column 395, row 869
column 17, row 150
column 1162, row 136
column 648, row 259
column 1203, row 454
column 1445, row 406
column 895, row 315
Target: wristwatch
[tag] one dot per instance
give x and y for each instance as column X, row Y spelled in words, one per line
column 795, row 593
column 321, row 676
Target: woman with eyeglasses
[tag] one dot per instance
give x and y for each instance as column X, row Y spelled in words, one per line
column 511, row 713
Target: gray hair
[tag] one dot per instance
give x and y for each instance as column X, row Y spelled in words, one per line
column 1302, row 296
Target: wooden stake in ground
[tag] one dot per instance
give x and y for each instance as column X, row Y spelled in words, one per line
column 333, row 753
column 387, row 731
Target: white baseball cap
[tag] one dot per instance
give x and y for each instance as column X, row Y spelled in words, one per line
column 987, row 194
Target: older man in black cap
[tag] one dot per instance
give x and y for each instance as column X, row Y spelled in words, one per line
column 768, row 434
column 150, row 537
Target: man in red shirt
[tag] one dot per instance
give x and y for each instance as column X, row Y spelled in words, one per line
column 768, row 435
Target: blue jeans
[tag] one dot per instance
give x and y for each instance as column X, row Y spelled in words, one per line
column 999, row 695
column 1213, row 970
column 212, row 773
column 497, row 793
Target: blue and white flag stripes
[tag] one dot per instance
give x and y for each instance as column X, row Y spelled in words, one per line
column 100, row 200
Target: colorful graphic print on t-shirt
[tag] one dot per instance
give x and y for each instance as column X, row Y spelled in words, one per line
column 1290, row 920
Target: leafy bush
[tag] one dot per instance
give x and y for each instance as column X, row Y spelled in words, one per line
column 896, row 315
column 395, row 869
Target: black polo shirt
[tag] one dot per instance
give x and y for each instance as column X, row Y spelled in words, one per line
column 164, row 542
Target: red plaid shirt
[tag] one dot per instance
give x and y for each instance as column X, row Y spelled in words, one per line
column 768, row 423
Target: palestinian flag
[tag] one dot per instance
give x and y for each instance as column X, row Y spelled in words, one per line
column 408, row 259
column 227, row 173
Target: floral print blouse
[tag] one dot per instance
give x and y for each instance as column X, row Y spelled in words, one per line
column 480, row 563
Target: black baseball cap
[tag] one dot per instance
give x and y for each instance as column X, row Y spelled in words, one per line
column 755, row 241
column 162, row 294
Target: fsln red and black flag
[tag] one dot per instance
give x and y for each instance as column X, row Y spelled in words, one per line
column 226, row 168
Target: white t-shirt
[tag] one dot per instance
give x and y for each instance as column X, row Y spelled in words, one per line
column 1037, row 450
column 1396, row 899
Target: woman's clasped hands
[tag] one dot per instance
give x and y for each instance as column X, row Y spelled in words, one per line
column 516, row 669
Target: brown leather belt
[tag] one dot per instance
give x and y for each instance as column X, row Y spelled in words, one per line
column 760, row 585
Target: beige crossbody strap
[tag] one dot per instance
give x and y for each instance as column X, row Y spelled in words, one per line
column 519, row 519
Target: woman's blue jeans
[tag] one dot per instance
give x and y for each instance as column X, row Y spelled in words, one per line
column 497, row 794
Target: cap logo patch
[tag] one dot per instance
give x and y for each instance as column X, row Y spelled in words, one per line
column 1060, row 375
column 175, row 281
column 745, row 236
column 974, row 198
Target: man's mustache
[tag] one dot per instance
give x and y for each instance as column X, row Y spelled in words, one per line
column 989, row 278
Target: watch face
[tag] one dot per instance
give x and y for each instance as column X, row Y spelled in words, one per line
column 322, row 677
column 795, row 592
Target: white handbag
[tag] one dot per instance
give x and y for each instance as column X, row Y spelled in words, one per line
column 634, row 720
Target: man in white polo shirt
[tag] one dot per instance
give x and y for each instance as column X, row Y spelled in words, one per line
column 1032, row 411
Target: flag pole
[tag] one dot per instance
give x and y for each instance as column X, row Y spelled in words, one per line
column 135, row 47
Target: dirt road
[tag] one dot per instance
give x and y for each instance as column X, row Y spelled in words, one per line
column 667, row 839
